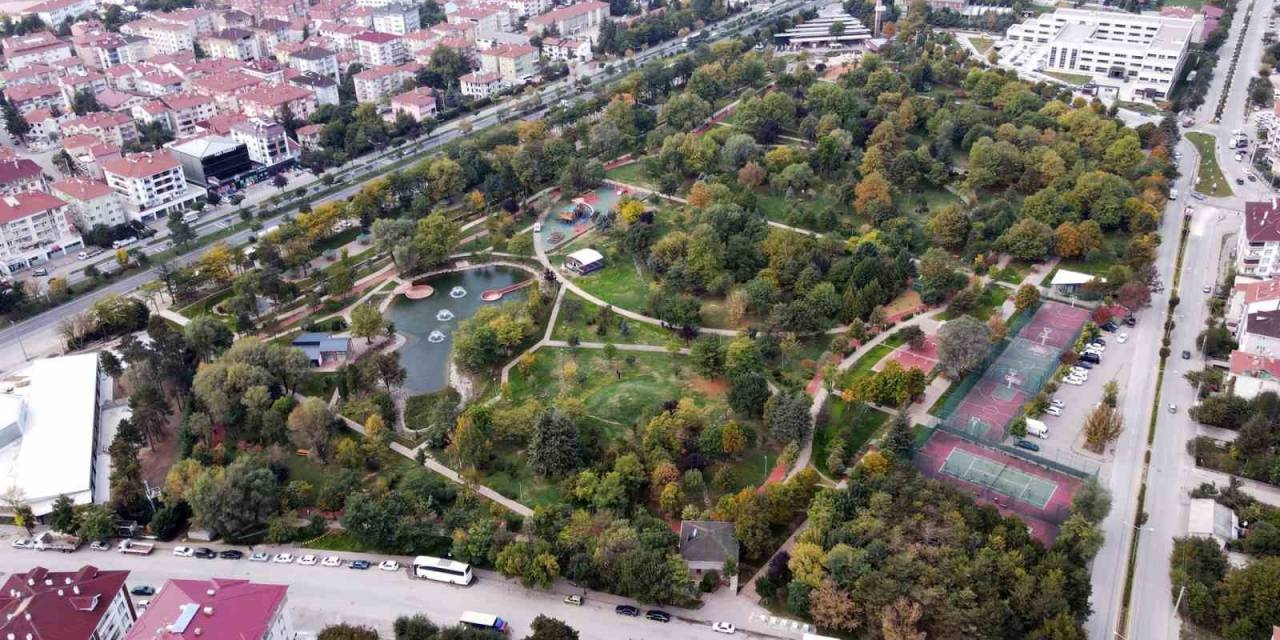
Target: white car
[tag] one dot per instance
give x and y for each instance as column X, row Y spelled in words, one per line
column 1097, row 346
column 260, row 557
column 24, row 543
column 184, row 552
column 331, row 561
column 283, row 558
column 1057, row 403
column 1122, row 338
column 99, row 545
column 1080, row 372
column 1073, row 381
column 143, row 604
column 537, row 227
column 308, row 560
column 1053, row 411
column 723, row 627
column 389, row 565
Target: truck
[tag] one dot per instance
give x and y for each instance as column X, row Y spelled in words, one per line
column 1037, row 428
column 136, row 548
column 50, row 541
column 1239, row 139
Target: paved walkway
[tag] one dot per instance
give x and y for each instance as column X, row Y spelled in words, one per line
column 169, row 314
column 1264, row 493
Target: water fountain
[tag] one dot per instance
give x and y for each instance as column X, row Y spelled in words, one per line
column 457, row 292
column 444, row 315
column 435, row 337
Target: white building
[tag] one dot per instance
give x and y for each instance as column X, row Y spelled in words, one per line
column 40, row 47
column 1138, row 55
column 151, row 184
column 1253, row 374
column 1258, row 250
column 165, row 37
column 419, row 104
column 316, row 60
column 34, row 226
column 515, row 64
column 480, row 85
column 380, row 83
column 1206, row 518
column 376, row 49
column 232, row 44
column 49, row 431
column 399, row 19
column 267, row 141
column 581, row 19
column 92, row 202
column 55, row 12
column 821, row 31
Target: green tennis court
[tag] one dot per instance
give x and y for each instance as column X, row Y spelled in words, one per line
column 1014, row 483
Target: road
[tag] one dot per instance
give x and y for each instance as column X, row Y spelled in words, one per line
column 320, row 596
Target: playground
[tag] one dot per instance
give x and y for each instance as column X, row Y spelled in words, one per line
column 570, row 219
column 1040, row 496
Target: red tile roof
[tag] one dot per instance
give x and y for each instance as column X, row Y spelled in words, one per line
column 226, row 82
column 571, row 11
column 15, row 170
column 1253, row 365
column 141, row 165
column 179, row 101
column 38, row 611
column 225, row 608
column 28, row 91
column 27, row 203
column 511, row 51
column 422, row 96
column 82, row 188
column 99, row 120
column 1262, row 221
column 376, row 37
column 275, row 95
column 1260, row 291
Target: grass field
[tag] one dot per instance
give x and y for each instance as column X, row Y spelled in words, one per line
column 932, row 199
column 1191, row 4
column 1209, row 180
column 618, row 284
column 633, row 173
column 584, row 326
column 1012, row 274
column 1069, row 78
column 992, row 297
column 856, row 423
column 981, row 44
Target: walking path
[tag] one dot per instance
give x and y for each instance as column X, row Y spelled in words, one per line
column 1264, row 493
column 169, row 314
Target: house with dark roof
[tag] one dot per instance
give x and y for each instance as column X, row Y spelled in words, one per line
column 1260, row 333
column 706, row 545
column 86, row 604
column 324, row 349
column 1258, row 248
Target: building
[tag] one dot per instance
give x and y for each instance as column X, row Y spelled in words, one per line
column 317, row 60
column 515, row 64
column 1207, row 518
column 1260, row 333
column 107, row 50
column 55, row 12
column 109, row 128
column 481, row 18
column 1140, row 56
column 529, row 8
column 40, row 47
column 212, row 161
column 217, row 608
column 584, row 261
column 821, row 31
column 379, row 49
column 34, row 227
column 324, row 88
column 92, row 202
column 198, row 20
column 165, row 37
column 399, row 19
column 582, row 19
column 28, row 97
column 1068, row 283
column 20, row 174
column 50, row 432
column 379, row 83
column 151, row 184
column 706, row 545
column 480, row 85
column 1258, row 250
column 1251, row 297
column 567, row 49
column 324, row 349
column 1253, row 374
column 272, row 101
column 232, row 44
column 185, row 110
column 419, row 104
column 225, row 88
column 86, row 604
column 267, row 142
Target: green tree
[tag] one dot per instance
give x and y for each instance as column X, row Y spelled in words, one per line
column 311, row 428
column 180, row 232
column 546, row 628
column 1027, row 296
column 435, row 239
column 555, row 449
column 347, row 632
column 63, row 515
column 207, row 337
column 534, row 563
column 367, row 322
column 96, row 522
column 787, row 417
column 962, row 344
column 415, row 627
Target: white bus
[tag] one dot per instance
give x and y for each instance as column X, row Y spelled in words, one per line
column 442, row 570
column 483, row 621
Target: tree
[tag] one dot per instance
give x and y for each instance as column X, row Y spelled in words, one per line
column 1027, row 296
column 1101, row 426
column 96, row 522
column 63, row 515
column 435, row 239
column 1027, row 239
column 207, row 336
column 1092, row 501
column 237, row 500
column 279, row 181
column 833, row 608
column 533, row 563
column 14, row 123
column 554, row 449
column 347, row 632
column 900, row 621
column 950, row 227
column 180, row 232
column 415, row 627
column 311, row 428
column 787, row 417
column 962, row 344
column 366, row 322
column 546, row 628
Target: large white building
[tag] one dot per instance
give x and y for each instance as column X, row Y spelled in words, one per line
column 1258, row 249
column 34, row 226
column 1139, row 56
column 50, row 443
column 151, row 184
column 92, row 202
column 400, row 19
column 266, row 141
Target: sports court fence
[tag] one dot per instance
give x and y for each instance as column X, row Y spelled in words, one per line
column 1056, row 459
column 993, row 482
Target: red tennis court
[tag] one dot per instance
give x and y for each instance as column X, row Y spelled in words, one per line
column 925, row 358
column 988, row 408
column 1055, row 325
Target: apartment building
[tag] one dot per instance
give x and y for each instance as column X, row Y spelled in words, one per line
column 481, row 18
column 231, row 44
column 567, row 49
column 151, row 184
column 267, row 141
column 216, row 608
column 528, row 8
column 55, row 12
column 480, row 85
column 399, row 19
column 419, row 104
column 324, row 88
column 109, row 128
column 272, row 101
column 376, row 49
column 186, row 110
column 379, row 83
column 103, row 50
column 20, row 174
column 1140, row 55
column 1258, row 249
column 225, row 87
column 317, row 60
column 165, row 37
column 200, row 21
column 34, row 226
column 31, row 97
column 515, row 64
column 92, row 202
column 85, row 604
column 40, row 47
column 582, row 19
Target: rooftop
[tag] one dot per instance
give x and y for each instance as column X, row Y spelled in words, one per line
column 206, row 146
column 275, row 95
column 82, row 188
column 19, row 169
column 708, row 541
column 312, row 53
column 422, row 96
column 376, row 37
column 26, row 203
column 57, row 605
column 571, row 11
column 1253, row 365
column 1264, row 323
column 1262, row 221
column 141, row 165
column 217, row 608
column 1262, row 291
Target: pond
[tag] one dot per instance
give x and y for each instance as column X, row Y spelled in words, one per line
column 555, row 231
column 428, row 324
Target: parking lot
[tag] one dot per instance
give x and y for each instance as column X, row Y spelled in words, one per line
column 1066, row 439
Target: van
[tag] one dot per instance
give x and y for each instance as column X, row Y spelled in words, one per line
column 190, row 216
column 123, row 242
column 1173, row 194
column 1037, row 428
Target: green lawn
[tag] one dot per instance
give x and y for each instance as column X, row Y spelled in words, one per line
column 205, row 305
column 1069, row 78
column 1209, row 180
column 992, row 297
column 1140, row 107
column 932, row 199
column 618, row 284
column 585, row 327
column 1191, row 4
column 864, row 364
column 981, row 44
column 318, row 385
column 1113, row 248
column 774, row 206
column 633, row 173
column 1012, row 274
column 856, row 423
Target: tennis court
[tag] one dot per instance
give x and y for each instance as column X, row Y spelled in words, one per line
column 999, row 477
column 925, row 358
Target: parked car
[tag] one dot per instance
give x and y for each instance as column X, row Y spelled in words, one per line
column 627, row 610
column 1240, row 181
column 1084, row 364
column 723, row 627
column 98, row 545
column 360, row 564
column 658, row 615
column 573, row 599
column 24, row 543
column 1109, row 327
column 1122, row 338
column 260, row 557
column 1053, row 411
column 184, row 552
column 143, row 591
column 1252, row 177
column 331, row 561
column 389, row 565
column 143, row 604
column 1173, row 408
column 1197, row 195
column 231, row 554
column 1054, row 402
column 1132, row 321
column 283, row 558
column 1186, row 355
column 1027, row 444
column 1075, row 382
column 308, row 560
column 206, row 553
column 1207, row 288
column 40, row 271
column 1091, row 358
column 1099, row 340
